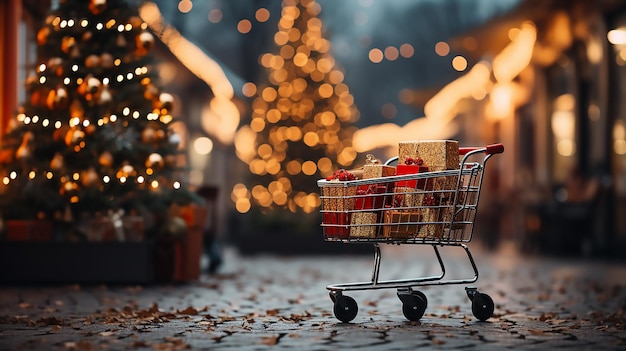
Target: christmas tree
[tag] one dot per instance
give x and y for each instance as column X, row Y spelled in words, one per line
column 95, row 134
column 302, row 118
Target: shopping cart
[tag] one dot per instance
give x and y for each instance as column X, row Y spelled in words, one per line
column 430, row 208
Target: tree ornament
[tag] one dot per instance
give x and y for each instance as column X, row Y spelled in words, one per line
column 105, row 96
column 24, row 151
column 154, row 160
column 126, row 171
column 106, row 159
column 151, row 92
column 68, row 188
column 57, row 99
column 148, row 135
column 90, row 129
column 121, row 40
column 67, row 44
column 106, row 60
column 90, row 177
column 92, row 61
column 74, row 136
column 57, row 162
column 144, row 42
column 76, row 109
column 93, row 85
column 97, row 6
column 174, row 139
column 42, row 35
column 87, row 36
column 165, row 101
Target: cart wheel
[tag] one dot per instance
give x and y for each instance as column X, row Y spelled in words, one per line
column 413, row 304
column 482, row 306
column 345, row 308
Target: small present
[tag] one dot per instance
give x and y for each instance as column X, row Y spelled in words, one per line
column 432, row 218
column 370, row 197
column 407, row 197
column 28, row 230
column 338, row 197
column 363, row 225
column 336, row 225
column 401, row 224
column 374, row 169
column 438, row 155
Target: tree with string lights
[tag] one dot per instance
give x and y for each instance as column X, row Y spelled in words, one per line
column 301, row 118
column 95, row 132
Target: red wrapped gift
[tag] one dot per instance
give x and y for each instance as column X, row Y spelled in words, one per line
column 336, row 225
column 370, row 197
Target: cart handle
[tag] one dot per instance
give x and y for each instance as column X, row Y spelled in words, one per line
column 489, row 149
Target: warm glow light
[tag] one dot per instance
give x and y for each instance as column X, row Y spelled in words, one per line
column 459, row 63
column 442, row 48
column 203, row 145
column 617, row 36
column 376, row 55
column 517, row 55
column 244, row 26
column 185, row 6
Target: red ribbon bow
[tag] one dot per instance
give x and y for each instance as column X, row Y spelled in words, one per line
column 341, row 174
column 414, row 161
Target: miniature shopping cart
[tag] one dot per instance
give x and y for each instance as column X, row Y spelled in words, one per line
column 435, row 208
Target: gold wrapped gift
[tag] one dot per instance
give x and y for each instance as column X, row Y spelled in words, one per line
column 401, row 224
column 338, row 198
column 363, row 225
column 438, row 155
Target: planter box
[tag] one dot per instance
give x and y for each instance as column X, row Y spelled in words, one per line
column 76, row 262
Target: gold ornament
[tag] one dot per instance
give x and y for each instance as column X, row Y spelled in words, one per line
column 144, row 42
column 151, row 92
column 57, row 99
column 135, row 21
column 148, row 135
column 74, row 136
column 57, row 162
column 106, row 159
column 165, row 101
column 42, row 35
column 154, row 160
column 92, row 61
column 89, row 177
column 67, row 44
column 126, row 171
column 24, row 151
column 106, row 60
column 76, row 109
column 87, row 36
column 105, row 95
column 97, row 6
column 68, row 188
column 121, row 41
column 90, row 129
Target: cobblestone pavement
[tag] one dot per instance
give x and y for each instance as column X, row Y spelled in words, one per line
column 269, row 302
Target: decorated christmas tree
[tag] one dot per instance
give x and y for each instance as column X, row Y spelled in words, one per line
column 94, row 135
column 301, row 117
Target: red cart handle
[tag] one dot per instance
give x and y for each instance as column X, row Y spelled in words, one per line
column 489, row 149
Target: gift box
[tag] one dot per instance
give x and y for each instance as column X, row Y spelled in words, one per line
column 28, row 230
column 432, row 216
column 336, row 225
column 370, row 197
column 438, row 155
column 401, row 224
column 105, row 228
column 363, row 225
column 338, row 198
column 376, row 170
column 404, row 169
column 407, row 197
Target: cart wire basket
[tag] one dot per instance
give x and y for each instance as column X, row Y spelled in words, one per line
column 430, row 208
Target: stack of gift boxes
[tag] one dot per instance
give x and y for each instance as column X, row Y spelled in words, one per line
column 394, row 210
